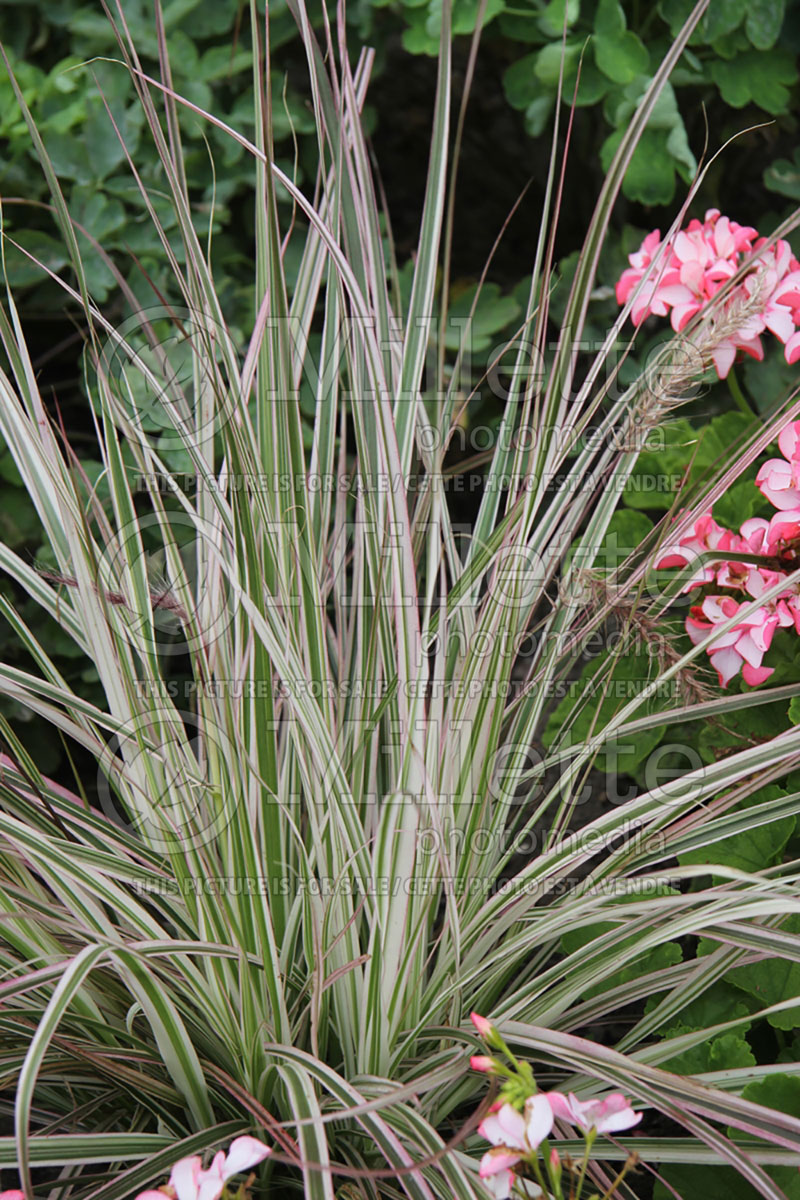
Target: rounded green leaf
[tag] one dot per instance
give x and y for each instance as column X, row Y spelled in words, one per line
column 551, row 22
column 548, row 61
column 520, row 82
column 537, row 114
column 621, row 58
column 650, row 177
column 609, row 20
column 758, row 77
column 764, row 21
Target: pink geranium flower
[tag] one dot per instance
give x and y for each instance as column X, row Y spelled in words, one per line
column 188, row 1180
column 640, row 261
column 779, row 479
column 497, row 1176
column 789, row 441
column 783, row 536
column 743, row 646
column 606, row 1116
column 514, row 1135
column 706, row 535
column 695, row 265
column 12, row 1194
column 780, row 482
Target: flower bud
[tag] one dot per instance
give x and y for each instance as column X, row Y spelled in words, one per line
column 482, row 1024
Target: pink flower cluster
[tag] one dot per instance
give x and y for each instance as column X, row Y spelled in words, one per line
column 743, row 647
column 696, row 264
column 516, row 1135
column 188, row 1180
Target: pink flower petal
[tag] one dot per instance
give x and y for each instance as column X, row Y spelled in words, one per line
column 499, row 1185
column 792, row 351
column 723, row 356
column 538, row 1119
column 560, row 1106
column 482, row 1024
column 185, row 1177
column 497, row 1160
column 506, row 1127
column 756, row 675
column 779, row 321
column 789, row 441
column 727, row 663
column 751, row 346
column 723, row 238
column 691, row 276
column 245, row 1152
column 682, row 315
column 615, row 1122
column 674, row 293
column 211, row 1187
column 685, row 249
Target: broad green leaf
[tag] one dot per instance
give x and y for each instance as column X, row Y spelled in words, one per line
column 762, row 846
column 493, row 313
column 622, row 57
column 698, row 1182
column 781, row 1092
column 783, row 176
column 777, row 1091
column 725, row 736
column 678, row 146
column 665, row 116
column 719, row 19
column 105, row 150
column 416, row 38
column 464, row 15
column 762, row 78
column 521, row 84
column 592, row 83
column 19, row 521
column 721, row 1053
column 772, row 980
column 626, row 532
column 722, row 16
column 609, row 20
column 221, row 62
column 20, row 270
column 604, row 687
column 730, row 44
column 688, row 454
column 551, row 21
column 650, row 177
column 98, row 215
column 740, row 502
column 207, row 18
column 718, row 1003
column 548, row 61
column 537, row 114
column 764, row 21
column 655, row 959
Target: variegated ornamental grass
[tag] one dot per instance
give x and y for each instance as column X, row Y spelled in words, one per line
column 286, row 938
